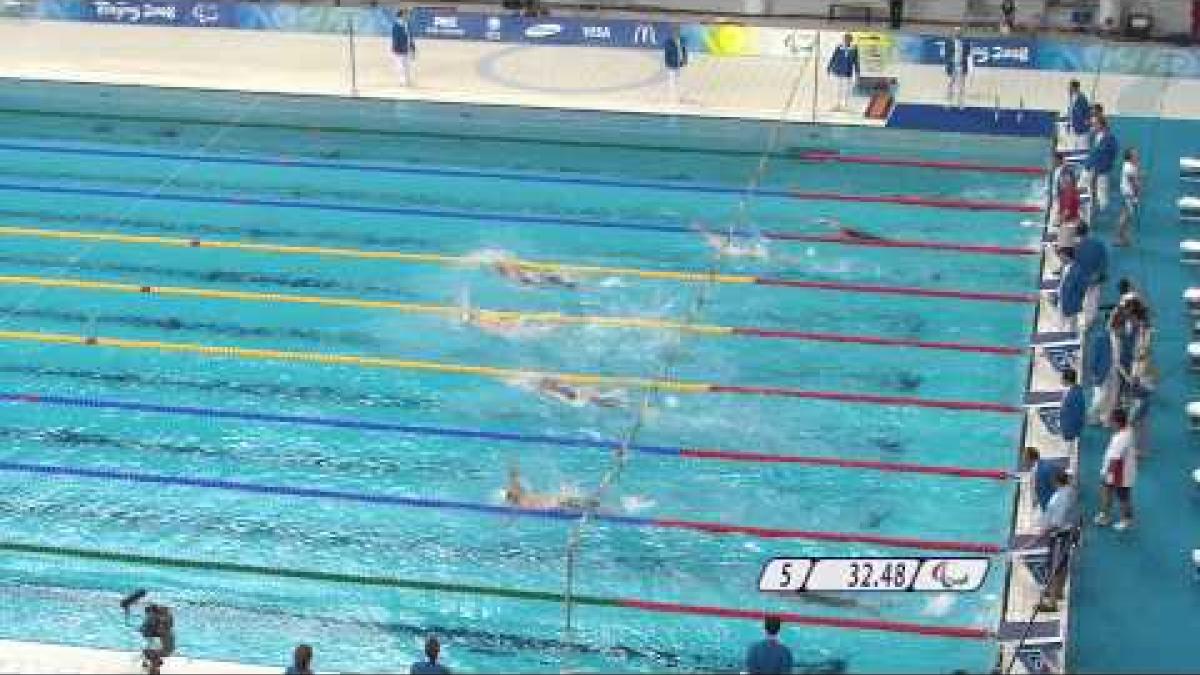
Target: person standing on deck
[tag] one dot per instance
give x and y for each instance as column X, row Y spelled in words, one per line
column 1098, row 166
column 958, row 67
column 404, row 48
column 845, row 69
column 1131, row 195
column 1079, row 117
column 675, row 58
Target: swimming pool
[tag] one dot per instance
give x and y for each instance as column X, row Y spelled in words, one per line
column 281, row 377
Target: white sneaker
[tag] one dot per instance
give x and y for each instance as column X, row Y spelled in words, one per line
column 1122, row 525
column 1102, row 519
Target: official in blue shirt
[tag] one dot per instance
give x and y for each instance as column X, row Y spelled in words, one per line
column 769, row 655
column 844, row 67
column 1073, row 413
column 1072, row 286
column 1099, row 358
column 958, row 66
column 1079, row 111
column 675, row 57
column 1092, row 257
column 404, row 47
column 1043, row 474
column 1101, row 160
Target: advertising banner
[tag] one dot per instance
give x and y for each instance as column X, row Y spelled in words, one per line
column 449, row 25
column 985, row 52
column 738, row 40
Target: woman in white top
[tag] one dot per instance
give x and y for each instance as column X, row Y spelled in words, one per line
column 1131, row 194
column 1118, row 472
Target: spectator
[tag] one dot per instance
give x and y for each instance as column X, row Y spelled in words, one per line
column 1043, row 474
column 1078, row 116
column 1098, row 166
column 844, row 68
column 1058, row 528
column 1092, row 257
column 1118, row 473
column 769, row 655
column 896, row 10
column 675, row 57
column 404, row 47
column 1131, row 193
column 1073, row 411
column 430, row 666
column 1008, row 12
column 301, row 661
column 958, row 67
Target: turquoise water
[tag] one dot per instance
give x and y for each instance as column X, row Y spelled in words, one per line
column 465, row 181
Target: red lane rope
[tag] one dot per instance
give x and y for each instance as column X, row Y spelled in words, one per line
column 802, row 619
column 871, row 340
column 840, row 537
column 867, row 398
column 912, row 200
column 837, row 157
column 891, row 467
column 984, row 249
column 898, row 290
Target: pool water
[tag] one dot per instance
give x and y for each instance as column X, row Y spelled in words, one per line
column 161, row 477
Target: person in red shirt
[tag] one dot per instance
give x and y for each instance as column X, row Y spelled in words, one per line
column 1068, row 209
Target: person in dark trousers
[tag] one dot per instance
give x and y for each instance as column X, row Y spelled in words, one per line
column 844, row 67
column 430, row 666
column 404, row 47
column 1059, row 528
column 1008, row 13
column 675, row 57
column 1073, row 414
column 301, row 661
column 1079, row 116
column 958, row 67
column 896, row 9
column 769, row 655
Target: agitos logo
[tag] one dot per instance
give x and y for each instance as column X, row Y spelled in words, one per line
column 949, row 576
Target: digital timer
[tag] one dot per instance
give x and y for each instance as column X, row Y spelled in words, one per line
column 873, row 574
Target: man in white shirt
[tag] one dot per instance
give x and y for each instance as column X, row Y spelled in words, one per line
column 1118, row 472
column 1131, row 194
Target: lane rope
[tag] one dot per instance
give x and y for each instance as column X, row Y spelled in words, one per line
column 562, row 514
column 972, row 633
column 498, row 373
column 706, row 454
column 551, row 318
column 457, row 260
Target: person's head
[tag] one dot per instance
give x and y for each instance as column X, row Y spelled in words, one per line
column 1073, row 87
column 1097, row 109
column 848, row 40
column 1066, row 254
column 772, row 624
column 1124, row 286
column 1070, row 377
column 432, row 649
column 1056, row 158
column 302, row 658
column 1081, row 229
column 1032, row 455
column 1131, row 155
column 1062, row 478
column 1120, row 418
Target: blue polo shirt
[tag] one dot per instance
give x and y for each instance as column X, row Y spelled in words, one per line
column 428, row 668
column 844, row 62
column 1081, row 113
column 1073, row 414
column 768, row 656
column 1044, row 474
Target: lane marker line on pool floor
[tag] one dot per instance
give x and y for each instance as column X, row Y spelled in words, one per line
column 503, row 374
column 962, row 632
column 514, row 317
column 708, row 454
column 838, row 157
column 469, row 261
column 706, row 527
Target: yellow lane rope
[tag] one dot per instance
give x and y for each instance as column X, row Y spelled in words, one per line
column 406, row 307
column 506, row 374
column 394, row 256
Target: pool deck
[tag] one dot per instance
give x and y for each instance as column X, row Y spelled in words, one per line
column 555, row 77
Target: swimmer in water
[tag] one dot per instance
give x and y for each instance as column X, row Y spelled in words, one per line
column 847, row 232
column 733, row 246
column 571, row 394
column 516, row 494
column 514, row 271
